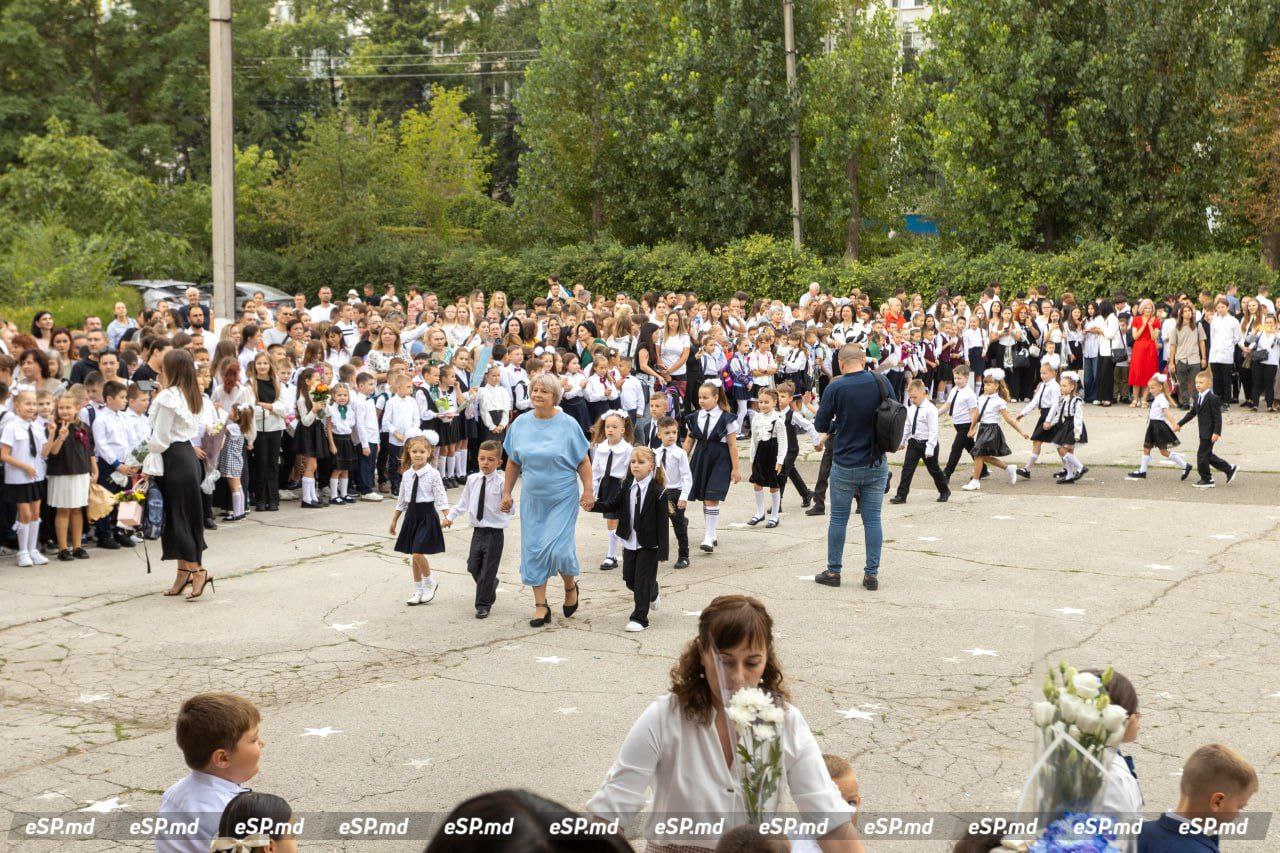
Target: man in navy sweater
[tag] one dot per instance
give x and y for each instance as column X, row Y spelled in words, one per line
column 847, row 412
column 1216, row 785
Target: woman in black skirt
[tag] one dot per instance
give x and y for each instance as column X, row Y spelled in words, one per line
column 175, row 424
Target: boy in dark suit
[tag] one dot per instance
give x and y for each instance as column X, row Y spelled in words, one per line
column 644, row 534
column 1206, row 408
column 1216, row 785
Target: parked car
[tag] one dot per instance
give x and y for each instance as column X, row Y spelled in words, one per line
column 155, row 290
column 174, row 292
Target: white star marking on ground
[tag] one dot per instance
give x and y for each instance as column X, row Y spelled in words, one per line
column 1158, row 567
column 84, row 634
column 106, row 806
column 977, row 653
column 805, row 577
column 1223, row 536
column 855, row 714
column 567, row 711
column 552, row 659
column 693, row 613
column 325, row 732
column 52, row 795
column 347, row 626
column 418, row 763
column 1070, row 611
column 88, row 698
column 1003, row 517
column 926, row 538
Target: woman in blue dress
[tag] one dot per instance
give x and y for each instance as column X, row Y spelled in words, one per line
column 547, row 448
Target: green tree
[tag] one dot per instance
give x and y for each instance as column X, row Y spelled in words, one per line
column 442, row 158
column 850, row 124
column 1016, row 118
column 1254, row 118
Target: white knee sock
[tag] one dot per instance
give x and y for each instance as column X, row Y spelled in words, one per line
column 1073, row 464
column 613, row 545
column 33, row 535
column 1032, row 461
column 344, row 484
column 237, row 502
column 742, row 415
column 777, row 503
column 710, row 517
column 1176, row 458
column 1145, row 463
column 462, row 463
column 333, row 488
column 309, row 489
column 24, row 537
column 760, row 502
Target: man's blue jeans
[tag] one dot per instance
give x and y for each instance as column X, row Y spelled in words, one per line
column 867, row 484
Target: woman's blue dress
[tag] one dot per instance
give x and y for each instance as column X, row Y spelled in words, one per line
column 548, row 452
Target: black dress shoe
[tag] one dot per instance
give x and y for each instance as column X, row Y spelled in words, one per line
column 1186, row 472
column 126, row 540
column 210, row 524
column 870, row 582
column 682, row 563
column 819, row 508
column 259, row 507
column 482, row 613
column 944, row 497
column 828, row 578
column 897, row 499
column 109, row 544
column 273, row 507
column 65, row 556
column 80, row 553
column 805, row 501
column 310, row 505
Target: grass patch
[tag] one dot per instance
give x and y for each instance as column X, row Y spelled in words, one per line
column 70, row 311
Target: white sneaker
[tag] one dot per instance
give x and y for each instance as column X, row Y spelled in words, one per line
column 429, row 590
column 372, row 496
column 38, row 558
column 24, row 559
column 1013, row 475
column 416, row 598
column 653, row 605
column 286, row 495
column 971, row 486
column 634, row 627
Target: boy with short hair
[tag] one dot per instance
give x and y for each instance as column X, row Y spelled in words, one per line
column 1216, row 785
column 92, row 390
column 630, row 391
column 1206, row 408
column 112, row 444
column 920, row 440
column 367, row 431
column 218, row 736
column 481, row 500
column 675, row 465
column 647, row 427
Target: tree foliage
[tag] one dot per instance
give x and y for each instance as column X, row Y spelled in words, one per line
column 1254, row 195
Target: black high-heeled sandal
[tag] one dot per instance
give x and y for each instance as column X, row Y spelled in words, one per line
column 570, row 609
column 208, row 582
column 538, row 623
column 186, row 583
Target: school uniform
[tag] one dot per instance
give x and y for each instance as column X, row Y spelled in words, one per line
column 631, row 398
column 600, row 395
column 364, row 435
column 795, row 369
column 1046, row 394
column 1206, row 408
column 481, row 501
column 1167, row 834
column 709, row 462
column 400, row 417
column 516, row 381
column 26, row 440
column 421, row 499
column 960, row 403
column 572, row 402
column 768, row 449
column 795, row 422
column 609, row 464
column 1159, row 434
column 112, row 445
column 647, row 433
column 920, row 440
column 69, row 470
column 342, row 424
column 990, row 438
column 674, row 463
column 1067, row 421
column 309, row 435
column 493, row 406
column 641, row 511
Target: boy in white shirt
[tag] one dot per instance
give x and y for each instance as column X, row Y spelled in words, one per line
column 481, row 500
column 400, row 418
column 675, row 464
column 630, row 392
column 366, row 436
column 920, row 440
column 112, row 444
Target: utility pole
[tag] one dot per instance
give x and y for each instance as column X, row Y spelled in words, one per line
column 789, row 39
column 222, row 155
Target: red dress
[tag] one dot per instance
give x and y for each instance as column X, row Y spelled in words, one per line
column 1145, row 360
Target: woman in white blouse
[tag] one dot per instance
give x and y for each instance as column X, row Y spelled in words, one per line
column 683, row 745
column 175, row 425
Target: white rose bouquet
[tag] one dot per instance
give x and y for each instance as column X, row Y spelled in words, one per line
column 136, row 457
column 758, row 719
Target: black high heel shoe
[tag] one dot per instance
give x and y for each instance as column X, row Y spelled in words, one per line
column 186, row 583
column 196, row 592
column 538, row 623
column 570, row 609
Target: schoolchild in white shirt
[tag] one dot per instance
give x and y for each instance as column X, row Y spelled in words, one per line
column 481, row 501
column 611, row 438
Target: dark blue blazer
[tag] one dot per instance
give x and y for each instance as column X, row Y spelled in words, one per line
column 1162, row 836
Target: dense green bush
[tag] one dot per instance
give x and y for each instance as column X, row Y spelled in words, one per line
column 70, row 311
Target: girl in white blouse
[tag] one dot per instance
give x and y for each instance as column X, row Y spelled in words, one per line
column 683, row 744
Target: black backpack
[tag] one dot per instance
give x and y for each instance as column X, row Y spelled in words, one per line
column 891, row 418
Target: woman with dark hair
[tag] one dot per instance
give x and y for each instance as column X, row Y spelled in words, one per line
column 272, row 404
column 531, row 819
column 586, row 338
column 684, row 746
column 61, row 344
column 647, row 364
column 175, row 424
column 1106, row 327
column 270, row 817
column 42, row 330
column 35, row 373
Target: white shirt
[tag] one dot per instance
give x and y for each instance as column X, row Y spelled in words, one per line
column 631, row 396
column 199, row 794
column 469, row 501
column 922, row 425
column 139, row 427
column 430, row 489
column 321, row 313
column 675, row 464
column 1121, row 795
column 959, row 404
column 494, row 398
column 111, row 437
column 598, row 390
column 682, row 762
column 338, row 423
column 635, row 496
column 400, row 415
column 171, row 421
column 17, row 434
column 1047, row 393
column 1224, row 336
column 600, row 464
column 989, row 408
column 1159, row 405
column 366, row 431
column 516, row 381
column 672, row 347
column 765, row 427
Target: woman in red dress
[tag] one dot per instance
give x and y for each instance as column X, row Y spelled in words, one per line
column 1145, row 359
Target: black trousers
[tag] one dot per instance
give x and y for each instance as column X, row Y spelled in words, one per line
column 961, row 443
column 483, row 560
column 105, row 527
column 824, row 472
column 916, row 453
column 789, row 472
column 1106, row 378
column 1207, row 459
column 384, row 453
column 640, row 572
column 1222, row 374
column 265, row 462
column 1264, row 383
column 679, row 525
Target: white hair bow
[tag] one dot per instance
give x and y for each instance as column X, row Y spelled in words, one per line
column 1072, row 375
column 239, row 845
column 994, row 373
column 1161, row 378
column 716, row 382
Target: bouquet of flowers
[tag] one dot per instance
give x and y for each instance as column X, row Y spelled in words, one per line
column 757, row 718
column 134, row 459
column 136, row 496
column 320, row 393
column 129, row 507
column 215, row 428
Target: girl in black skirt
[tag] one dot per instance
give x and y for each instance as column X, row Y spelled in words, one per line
column 422, row 500
column 611, row 439
column 711, row 442
column 311, row 438
column 22, row 448
column 988, row 440
column 1067, row 421
column 342, row 422
column 1160, row 432
column 769, row 447
column 1046, row 394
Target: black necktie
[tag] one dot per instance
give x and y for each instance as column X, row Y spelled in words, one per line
column 635, row 516
column 914, row 419
column 664, row 459
column 31, row 437
column 608, row 465
column 951, row 404
column 413, row 494
column 706, row 426
column 480, row 503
